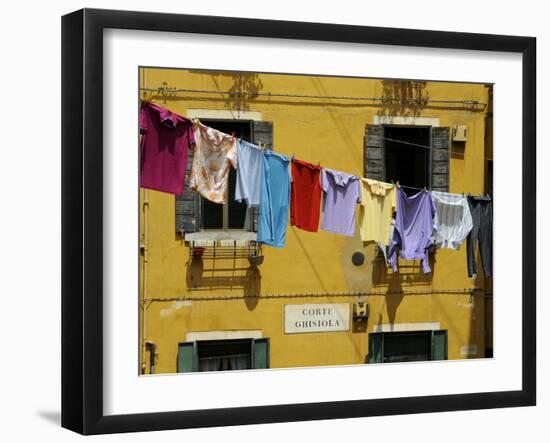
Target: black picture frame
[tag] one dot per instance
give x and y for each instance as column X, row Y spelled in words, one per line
column 82, row 215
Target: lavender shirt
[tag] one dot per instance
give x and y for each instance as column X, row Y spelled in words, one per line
column 414, row 227
column 341, row 193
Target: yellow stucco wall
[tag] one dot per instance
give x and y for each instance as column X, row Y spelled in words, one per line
column 329, row 131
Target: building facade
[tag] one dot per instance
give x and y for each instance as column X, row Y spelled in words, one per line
column 213, row 299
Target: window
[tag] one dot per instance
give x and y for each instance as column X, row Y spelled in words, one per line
column 193, row 213
column 223, row 355
column 406, row 161
column 395, row 152
column 232, row 214
column 392, row 347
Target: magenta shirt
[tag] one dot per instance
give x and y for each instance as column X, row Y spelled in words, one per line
column 165, row 142
column 341, row 193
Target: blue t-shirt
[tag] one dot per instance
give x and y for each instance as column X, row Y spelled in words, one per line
column 274, row 199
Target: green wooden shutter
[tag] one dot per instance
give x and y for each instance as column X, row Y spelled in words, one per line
column 374, row 152
column 260, row 353
column 439, row 345
column 440, row 157
column 187, row 357
column 188, row 204
column 376, row 347
column 262, row 135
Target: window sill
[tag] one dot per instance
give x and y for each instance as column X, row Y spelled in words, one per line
column 231, row 234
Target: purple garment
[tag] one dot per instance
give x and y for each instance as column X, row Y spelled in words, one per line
column 414, row 227
column 341, row 193
column 165, row 142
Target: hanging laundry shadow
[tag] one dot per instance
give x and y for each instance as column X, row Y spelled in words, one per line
column 252, row 287
column 394, row 296
column 380, row 272
column 409, row 272
column 243, row 89
column 403, row 98
column 209, row 273
column 194, row 272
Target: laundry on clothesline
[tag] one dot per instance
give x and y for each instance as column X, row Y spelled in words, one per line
column 453, row 219
column 249, row 173
column 305, row 196
column 166, row 138
column 313, row 196
column 274, row 200
column 482, row 234
column 414, row 227
column 341, row 195
column 215, row 152
column 378, row 199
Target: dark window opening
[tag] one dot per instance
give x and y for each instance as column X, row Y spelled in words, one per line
column 407, row 346
column 212, row 214
column 405, row 162
column 232, row 214
column 392, row 347
column 237, row 210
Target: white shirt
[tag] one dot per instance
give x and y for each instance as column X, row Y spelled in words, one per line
column 453, row 220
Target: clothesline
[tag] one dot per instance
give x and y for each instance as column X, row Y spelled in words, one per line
column 197, row 121
column 419, row 146
column 428, row 189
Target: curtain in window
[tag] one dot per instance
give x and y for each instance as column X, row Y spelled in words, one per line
column 228, row 363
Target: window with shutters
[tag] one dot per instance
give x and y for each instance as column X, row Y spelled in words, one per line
column 392, row 347
column 416, row 156
column 232, row 214
column 223, row 355
column 195, row 213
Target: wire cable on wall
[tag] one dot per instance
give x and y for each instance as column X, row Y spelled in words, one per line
column 394, row 100
column 471, row 291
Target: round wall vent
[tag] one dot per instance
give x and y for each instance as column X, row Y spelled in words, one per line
column 358, row 258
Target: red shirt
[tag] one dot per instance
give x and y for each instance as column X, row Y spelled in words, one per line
column 305, row 196
column 165, row 142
